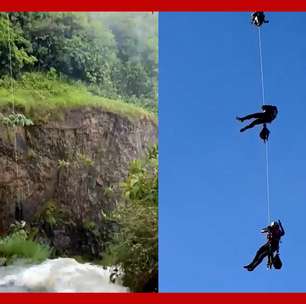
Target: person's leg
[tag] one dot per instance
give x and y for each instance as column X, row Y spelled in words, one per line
column 251, row 116
column 253, row 124
column 260, row 255
column 270, row 257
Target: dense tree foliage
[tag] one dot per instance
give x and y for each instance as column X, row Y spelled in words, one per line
column 135, row 246
column 18, row 51
column 114, row 53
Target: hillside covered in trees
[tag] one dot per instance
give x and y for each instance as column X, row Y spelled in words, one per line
column 113, row 54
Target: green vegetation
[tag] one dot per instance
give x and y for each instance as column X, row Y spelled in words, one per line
column 18, row 244
column 50, row 214
column 63, row 163
column 84, row 160
column 40, row 95
column 114, row 55
column 15, row 119
column 15, row 247
column 50, row 217
column 80, row 160
column 20, row 47
column 135, row 246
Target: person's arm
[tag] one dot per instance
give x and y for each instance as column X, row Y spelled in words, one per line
column 265, row 230
column 281, row 228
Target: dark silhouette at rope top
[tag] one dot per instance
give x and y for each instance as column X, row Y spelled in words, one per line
column 258, row 18
column 268, row 114
column 274, row 233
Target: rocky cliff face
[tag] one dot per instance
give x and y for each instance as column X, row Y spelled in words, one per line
column 60, row 175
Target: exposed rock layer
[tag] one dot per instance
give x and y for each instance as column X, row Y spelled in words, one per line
column 71, row 163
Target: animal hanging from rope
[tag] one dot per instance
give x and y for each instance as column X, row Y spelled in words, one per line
column 264, row 133
column 258, row 19
column 268, row 114
column 274, row 233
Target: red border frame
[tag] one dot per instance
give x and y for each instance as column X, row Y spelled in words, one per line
column 153, row 5
column 161, row 6
column 152, row 298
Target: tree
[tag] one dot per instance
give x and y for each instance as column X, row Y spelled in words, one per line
column 135, row 246
column 114, row 53
column 15, row 49
column 137, row 42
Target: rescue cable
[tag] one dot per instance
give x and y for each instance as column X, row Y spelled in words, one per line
column 266, row 144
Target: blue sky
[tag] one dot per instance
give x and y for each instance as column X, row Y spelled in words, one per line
column 212, row 178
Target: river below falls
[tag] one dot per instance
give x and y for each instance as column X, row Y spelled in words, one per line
column 57, row 275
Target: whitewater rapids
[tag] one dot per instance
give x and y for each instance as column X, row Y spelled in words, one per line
column 57, row 275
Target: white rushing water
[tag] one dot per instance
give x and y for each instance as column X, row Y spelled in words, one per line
column 58, row 275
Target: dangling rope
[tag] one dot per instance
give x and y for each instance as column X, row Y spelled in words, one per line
column 261, row 67
column 155, row 61
column 268, row 184
column 263, row 102
column 10, row 63
column 155, row 57
column 13, row 104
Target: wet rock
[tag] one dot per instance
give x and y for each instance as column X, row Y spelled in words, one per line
column 3, row 261
column 61, row 241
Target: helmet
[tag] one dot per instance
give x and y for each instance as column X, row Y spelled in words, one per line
column 274, row 224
